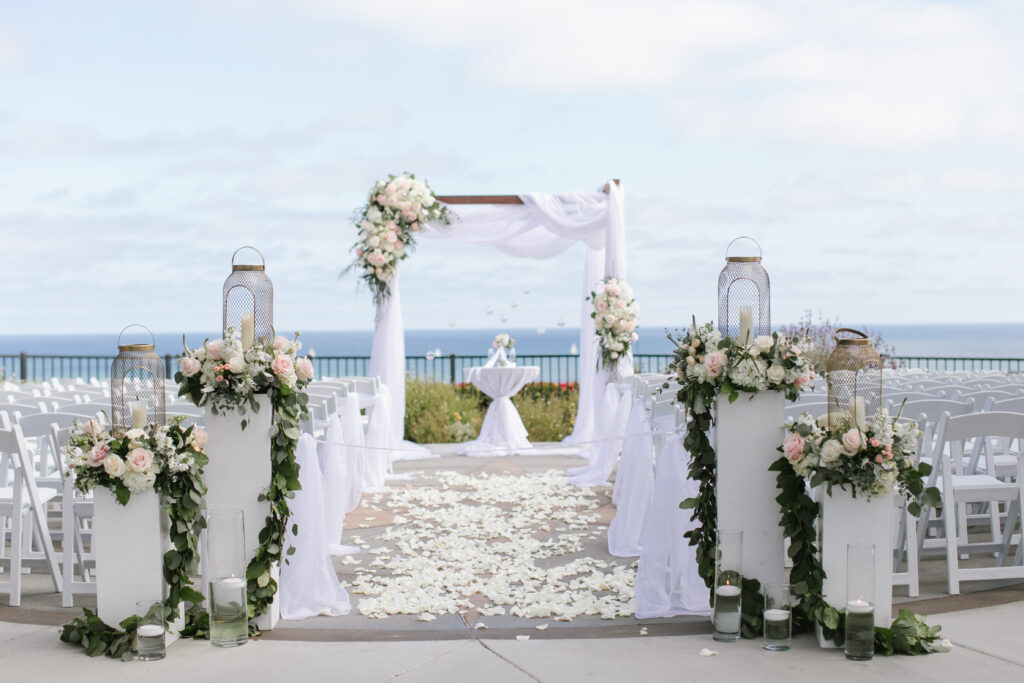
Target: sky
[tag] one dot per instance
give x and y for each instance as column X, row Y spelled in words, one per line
column 872, row 147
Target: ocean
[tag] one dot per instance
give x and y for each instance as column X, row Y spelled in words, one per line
column 982, row 341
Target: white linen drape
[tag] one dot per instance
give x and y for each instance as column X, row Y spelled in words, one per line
column 543, row 226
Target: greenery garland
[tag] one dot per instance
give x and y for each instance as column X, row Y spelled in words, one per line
column 224, row 376
column 178, row 461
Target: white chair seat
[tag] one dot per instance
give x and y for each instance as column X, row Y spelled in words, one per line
column 45, row 495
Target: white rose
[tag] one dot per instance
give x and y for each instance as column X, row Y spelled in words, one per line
column 763, row 342
column 114, row 465
column 831, row 451
column 237, row 365
column 776, row 373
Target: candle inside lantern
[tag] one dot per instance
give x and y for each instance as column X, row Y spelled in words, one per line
column 858, row 413
column 140, row 416
column 248, row 330
column 746, row 324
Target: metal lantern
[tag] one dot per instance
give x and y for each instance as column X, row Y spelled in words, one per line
column 854, row 374
column 248, row 291
column 137, row 384
column 744, row 297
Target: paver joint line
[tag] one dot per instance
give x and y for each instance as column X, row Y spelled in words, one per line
column 427, row 661
column 508, row 661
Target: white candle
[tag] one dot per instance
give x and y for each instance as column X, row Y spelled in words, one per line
column 746, row 324
column 858, row 412
column 727, row 609
column 776, row 614
column 151, row 630
column 232, row 582
column 139, row 414
column 248, row 330
column 728, row 591
column 859, row 606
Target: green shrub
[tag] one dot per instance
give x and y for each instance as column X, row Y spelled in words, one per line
column 436, row 412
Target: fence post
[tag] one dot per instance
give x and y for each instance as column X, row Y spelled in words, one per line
column 451, row 366
column 24, row 367
column 167, row 365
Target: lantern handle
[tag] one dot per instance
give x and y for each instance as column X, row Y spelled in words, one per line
column 760, row 252
column 263, row 261
column 151, row 337
column 859, row 338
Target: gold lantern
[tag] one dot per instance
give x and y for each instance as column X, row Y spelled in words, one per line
column 137, row 384
column 249, row 292
column 854, row 374
column 744, row 296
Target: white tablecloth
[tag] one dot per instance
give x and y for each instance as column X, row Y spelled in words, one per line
column 503, row 432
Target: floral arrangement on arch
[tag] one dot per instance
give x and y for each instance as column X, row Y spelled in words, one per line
column 135, row 460
column 397, row 208
column 614, row 315
column 226, row 376
column 872, row 457
column 503, row 341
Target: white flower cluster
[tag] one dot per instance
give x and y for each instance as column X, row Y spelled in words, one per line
column 502, row 340
column 497, row 536
column 397, row 207
column 614, row 314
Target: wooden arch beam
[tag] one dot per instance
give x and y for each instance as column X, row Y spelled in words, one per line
column 491, row 198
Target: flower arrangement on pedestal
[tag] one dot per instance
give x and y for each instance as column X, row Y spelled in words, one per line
column 396, row 210
column 614, row 314
column 167, row 458
column 227, row 376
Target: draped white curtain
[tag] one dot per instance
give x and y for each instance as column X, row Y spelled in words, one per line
column 542, row 227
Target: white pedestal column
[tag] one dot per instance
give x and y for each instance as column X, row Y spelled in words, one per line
column 238, row 472
column 845, row 520
column 745, row 437
column 129, row 543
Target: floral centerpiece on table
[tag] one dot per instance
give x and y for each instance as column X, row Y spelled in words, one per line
column 614, row 315
column 503, row 341
column 226, row 376
column 168, row 458
column 871, row 458
column 396, row 210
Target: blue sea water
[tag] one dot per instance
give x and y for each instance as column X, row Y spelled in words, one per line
column 982, row 340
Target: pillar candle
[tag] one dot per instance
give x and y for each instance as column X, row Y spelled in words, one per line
column 746, row 324
column 248, row 330
column 139, row 414
column 858, row 413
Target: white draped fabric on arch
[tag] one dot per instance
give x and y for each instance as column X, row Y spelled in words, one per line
column 541, row 227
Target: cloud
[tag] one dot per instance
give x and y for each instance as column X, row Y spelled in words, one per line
column 13, row 46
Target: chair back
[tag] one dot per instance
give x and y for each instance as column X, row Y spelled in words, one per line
column 1006, row 405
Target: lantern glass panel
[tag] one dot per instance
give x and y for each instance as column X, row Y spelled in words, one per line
column 744, row 290
column 249, row 291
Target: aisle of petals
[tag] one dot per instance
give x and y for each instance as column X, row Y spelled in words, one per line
column 511, row 542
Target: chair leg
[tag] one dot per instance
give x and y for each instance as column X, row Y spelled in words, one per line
column 67, row 521
column 952, row 554
column 17, row 521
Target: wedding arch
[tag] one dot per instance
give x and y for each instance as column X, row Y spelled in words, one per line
column 531, row 225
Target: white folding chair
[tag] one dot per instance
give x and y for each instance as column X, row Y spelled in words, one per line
column 24, row 505
column 76, row 533
column 960, row 490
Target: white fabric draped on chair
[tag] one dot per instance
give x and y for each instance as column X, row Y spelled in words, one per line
column 633, row 485
column 543, row 226
column 309, row 585
column 604, row 454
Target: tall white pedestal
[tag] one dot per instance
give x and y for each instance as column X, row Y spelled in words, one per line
column 129, row 543
column 845, row 520
column 238, row 472
column 746, row 435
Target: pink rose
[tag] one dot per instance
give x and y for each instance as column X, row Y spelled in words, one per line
column 199, row 438
column 280, row 342
column 304, row 368
column 415, row 227
column 214, row 348
column 875, row 443
column 98, row 454
column 190, row 366
column 140, row 459
column 715, row 362
column 793, row 447
column 602, row 306
column 92, row 428
column 359, row 252
column 795, row 350
column 851, row 441
column 801, row 380
column 283, row 366
column 878, row 459
column 391, row 236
